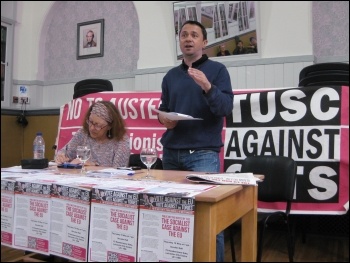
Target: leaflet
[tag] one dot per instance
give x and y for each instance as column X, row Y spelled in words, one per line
column 166, row 228
column 32, row 211
column 113, row 225
column 7, row 210
column 224, row 178
column 174, row 116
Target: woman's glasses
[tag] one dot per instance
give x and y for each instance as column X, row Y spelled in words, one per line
column 96, row 126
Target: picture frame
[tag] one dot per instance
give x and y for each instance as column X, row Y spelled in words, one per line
column 90, row 39
column 227, row 23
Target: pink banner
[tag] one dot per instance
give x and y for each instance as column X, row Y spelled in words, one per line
column 135, row 107
column 311, row 125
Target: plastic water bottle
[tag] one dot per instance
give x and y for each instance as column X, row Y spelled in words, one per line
column 39, row 146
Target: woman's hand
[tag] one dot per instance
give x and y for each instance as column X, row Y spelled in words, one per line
column 76, row 161
column 89, row 163
column 61, row 158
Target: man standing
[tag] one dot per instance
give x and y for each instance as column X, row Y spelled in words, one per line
column 90, row 39
column 201, row 88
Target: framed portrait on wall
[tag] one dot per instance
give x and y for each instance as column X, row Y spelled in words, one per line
column 90, row 39
column 232, row 26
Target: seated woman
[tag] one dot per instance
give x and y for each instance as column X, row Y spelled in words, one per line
column 105, row 132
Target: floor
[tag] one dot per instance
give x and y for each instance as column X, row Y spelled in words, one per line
column 317, row 248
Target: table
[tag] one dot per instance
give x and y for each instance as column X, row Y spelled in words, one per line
column 215, row 210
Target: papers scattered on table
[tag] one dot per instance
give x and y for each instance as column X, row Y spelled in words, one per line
column 174, row 116
column 19, row 170
column 223, row 178
column 110, row 172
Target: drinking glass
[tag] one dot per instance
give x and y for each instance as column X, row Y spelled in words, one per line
column 83, row 154
column 148, row 156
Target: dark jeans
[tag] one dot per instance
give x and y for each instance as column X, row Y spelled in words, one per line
column 198, row 161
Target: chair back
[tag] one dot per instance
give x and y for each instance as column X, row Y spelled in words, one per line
column 88, row 86
column 279, row 181
column 333, row 73
column 135, row 160
column 334, row 79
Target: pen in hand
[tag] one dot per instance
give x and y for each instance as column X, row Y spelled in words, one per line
column 62, row 157
column 66, row 151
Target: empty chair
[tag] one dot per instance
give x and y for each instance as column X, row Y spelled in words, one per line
column 336, row 73
column 135, row 160
column 335, row 79
column 88, row 86
column 324, row 68
column 277, row 186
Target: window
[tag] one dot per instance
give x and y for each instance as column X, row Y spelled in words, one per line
column 252, row 10
column 243, row 16
column 239, row 12
column 233, row 12
column 223, row 21
column 192, row 14
column 219, row 20
column 216, row 22
column 207, row 13
column 182, row 17
column 176, row 21
column 6, row 59
column 3, row 59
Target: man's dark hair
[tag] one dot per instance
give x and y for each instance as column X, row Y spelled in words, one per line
column 192, row 22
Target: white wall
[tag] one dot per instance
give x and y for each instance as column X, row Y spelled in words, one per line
column 286, row 28
column 285, row 31
column 30, row 17
column 286, row 44
column 157, row 41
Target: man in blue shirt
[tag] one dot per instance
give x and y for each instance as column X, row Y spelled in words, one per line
column 201, row 88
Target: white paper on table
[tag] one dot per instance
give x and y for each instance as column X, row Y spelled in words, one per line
column 110, row 172
column 224, row 178
column 174, row 116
